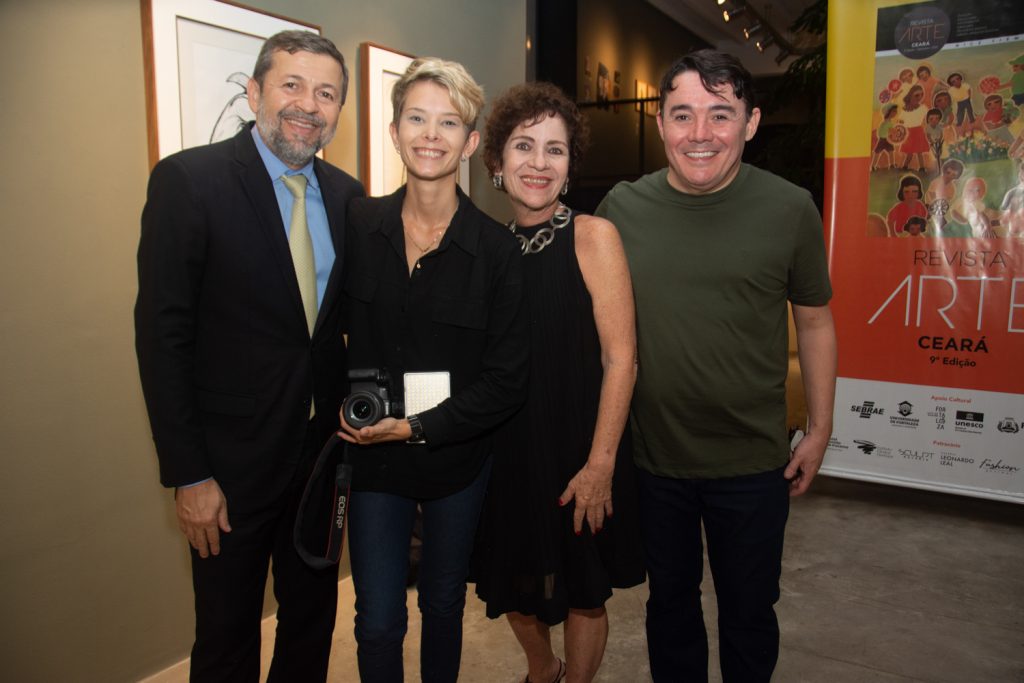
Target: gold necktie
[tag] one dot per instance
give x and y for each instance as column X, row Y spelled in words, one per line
column 301, row 247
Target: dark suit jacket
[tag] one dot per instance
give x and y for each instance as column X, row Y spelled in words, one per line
column 227, row 364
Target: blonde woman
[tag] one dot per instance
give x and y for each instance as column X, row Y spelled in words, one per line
column 434, row 286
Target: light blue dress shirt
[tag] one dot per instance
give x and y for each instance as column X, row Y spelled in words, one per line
column 316, row 214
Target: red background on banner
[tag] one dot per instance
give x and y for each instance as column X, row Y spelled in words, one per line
column 866, row 271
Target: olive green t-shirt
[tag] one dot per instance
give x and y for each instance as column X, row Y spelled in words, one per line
column 711, row 276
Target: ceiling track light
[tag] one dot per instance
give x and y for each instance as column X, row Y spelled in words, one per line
column 759, row 25
column 728, row 15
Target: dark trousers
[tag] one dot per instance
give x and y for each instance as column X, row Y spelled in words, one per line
column 229, row 590
column 380, row 527
column 744, row 519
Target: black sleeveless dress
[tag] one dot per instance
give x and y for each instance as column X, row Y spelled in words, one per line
column 528, row 559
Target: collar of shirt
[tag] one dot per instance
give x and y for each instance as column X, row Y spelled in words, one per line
column 277, row 168
column 459, row 231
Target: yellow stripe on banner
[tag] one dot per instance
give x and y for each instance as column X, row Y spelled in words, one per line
column 850, row 71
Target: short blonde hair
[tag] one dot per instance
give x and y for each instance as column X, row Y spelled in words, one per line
column 467, row 96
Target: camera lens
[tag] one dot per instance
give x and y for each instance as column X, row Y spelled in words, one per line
column 362, row 409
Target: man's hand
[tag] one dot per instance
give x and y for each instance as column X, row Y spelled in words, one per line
column 388, row 429
column 805, row 463
column 202, row 514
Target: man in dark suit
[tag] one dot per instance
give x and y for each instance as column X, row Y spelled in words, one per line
column 241, row 355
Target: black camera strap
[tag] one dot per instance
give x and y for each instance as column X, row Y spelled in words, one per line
column 310, row 527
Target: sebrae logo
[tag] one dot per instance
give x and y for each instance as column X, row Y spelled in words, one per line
column 867, row 409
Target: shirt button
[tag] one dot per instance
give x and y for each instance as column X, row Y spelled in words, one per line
column 418, row 265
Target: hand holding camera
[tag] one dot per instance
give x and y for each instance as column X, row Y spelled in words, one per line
column 370, row 413
column 370, row 399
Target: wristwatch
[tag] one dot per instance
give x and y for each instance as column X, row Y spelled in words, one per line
column 417, row 429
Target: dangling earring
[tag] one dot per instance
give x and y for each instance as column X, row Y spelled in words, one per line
column 565, row 188
column 498, row 181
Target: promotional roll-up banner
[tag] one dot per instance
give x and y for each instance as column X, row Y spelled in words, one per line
column 924, row 214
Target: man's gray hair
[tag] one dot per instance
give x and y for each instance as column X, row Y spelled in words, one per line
column 298, row 41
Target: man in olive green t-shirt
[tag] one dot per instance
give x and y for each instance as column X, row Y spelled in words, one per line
column 716, row 249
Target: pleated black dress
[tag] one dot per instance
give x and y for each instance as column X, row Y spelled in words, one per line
column 528, row 559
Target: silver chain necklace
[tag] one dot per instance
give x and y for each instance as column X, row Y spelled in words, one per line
column 544, row 236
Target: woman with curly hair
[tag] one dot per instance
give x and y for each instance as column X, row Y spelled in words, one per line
column 549, row 550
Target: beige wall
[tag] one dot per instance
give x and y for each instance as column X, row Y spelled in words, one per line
column 94, row 575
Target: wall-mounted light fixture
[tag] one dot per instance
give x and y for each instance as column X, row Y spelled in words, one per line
column 751, row 30
column 763, row 43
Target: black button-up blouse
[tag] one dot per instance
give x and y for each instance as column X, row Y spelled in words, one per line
column 461, row 311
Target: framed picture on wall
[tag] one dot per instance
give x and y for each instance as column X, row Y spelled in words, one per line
column 199, row 55
column 381, row 170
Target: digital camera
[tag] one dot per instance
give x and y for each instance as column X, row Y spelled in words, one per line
column 370, row 398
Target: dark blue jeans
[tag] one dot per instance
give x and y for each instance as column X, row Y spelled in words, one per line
column 744, row 519
column 379, row 532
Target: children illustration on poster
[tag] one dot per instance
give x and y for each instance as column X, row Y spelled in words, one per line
column 963, row 143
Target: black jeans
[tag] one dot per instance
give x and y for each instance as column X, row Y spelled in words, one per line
column 744, row 519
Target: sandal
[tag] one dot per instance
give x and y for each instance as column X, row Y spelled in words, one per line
column 560, row 676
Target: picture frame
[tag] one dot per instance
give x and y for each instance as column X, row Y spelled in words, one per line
column 381, row 168
column 189, row 105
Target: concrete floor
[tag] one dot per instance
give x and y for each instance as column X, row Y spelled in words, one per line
column 879, row 584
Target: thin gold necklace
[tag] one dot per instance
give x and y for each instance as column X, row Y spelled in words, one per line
column 430, row 245
column 436, row 238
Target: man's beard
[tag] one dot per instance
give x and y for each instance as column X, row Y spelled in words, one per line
column 292, row 152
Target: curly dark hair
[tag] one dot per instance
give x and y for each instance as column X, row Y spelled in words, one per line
column 530, row 102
